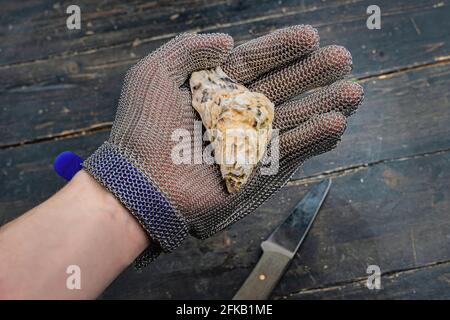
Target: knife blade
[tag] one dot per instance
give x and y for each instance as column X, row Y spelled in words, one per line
column 282, row 245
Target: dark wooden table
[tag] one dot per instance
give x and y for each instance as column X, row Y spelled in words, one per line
column 390, row 201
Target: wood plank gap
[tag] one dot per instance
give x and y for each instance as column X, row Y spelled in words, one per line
column 438, row 61
column 63, row 135
column 343, row 171
column 362, row 280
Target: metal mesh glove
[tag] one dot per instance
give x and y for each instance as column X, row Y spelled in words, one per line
column 171, row 200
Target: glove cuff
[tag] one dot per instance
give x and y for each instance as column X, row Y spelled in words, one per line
column 139, row 195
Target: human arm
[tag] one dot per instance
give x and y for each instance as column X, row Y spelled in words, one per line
column 82, row 224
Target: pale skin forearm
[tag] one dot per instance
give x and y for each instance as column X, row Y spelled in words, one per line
column 83, row 225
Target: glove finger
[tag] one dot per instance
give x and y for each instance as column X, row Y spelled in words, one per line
column 322, row 67
column 342, row 96
column 190, row 52
column 253, row 58
column 321, row 132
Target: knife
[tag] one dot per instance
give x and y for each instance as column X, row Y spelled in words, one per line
column 282, row 245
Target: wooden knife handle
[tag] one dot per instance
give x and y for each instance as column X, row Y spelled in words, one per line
column 264, row 277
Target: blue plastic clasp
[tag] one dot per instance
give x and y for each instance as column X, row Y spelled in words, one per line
column 67, row 164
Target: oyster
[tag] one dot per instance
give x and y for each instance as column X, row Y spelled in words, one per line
column 238, row 123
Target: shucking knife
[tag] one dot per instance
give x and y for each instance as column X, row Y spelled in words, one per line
column 282, row 245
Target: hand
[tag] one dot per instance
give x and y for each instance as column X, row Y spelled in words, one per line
column 171, row 200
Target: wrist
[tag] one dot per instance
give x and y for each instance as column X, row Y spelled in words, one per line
column 117, row 170
column 104, row 211
column 94, row 197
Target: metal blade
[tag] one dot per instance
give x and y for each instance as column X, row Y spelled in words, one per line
column 289, row 235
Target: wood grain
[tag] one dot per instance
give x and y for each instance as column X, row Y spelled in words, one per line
column 75, row 92
column 402, row 115
column 390, row 214
column 377, row 221
column 27, row 176
column 426, row 283
column 42, row 24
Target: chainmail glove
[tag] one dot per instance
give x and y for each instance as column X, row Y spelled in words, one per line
column 173, row 200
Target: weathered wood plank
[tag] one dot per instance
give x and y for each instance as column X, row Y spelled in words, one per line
column 39, row 28
column 428, row 283
column 374, row 228
column 27, row 176
column 42, row 24
column 385, row 215
column 402, row 115
column 374, row 222
column 50, row 97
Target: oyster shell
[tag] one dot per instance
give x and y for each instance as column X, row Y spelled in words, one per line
column 239, row 123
